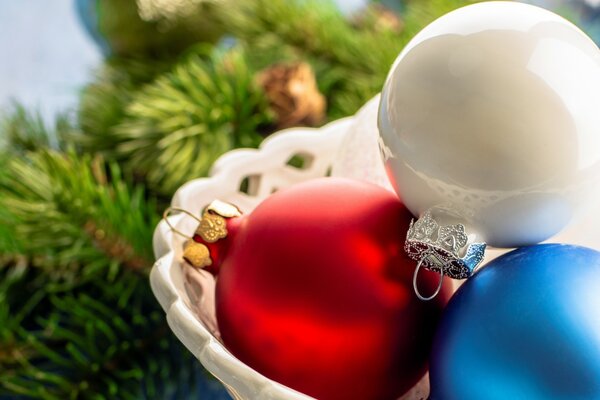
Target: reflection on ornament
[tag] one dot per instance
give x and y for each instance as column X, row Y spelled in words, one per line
column 585, row 13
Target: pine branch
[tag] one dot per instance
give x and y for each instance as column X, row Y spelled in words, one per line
column 77, row 319
column 176, row 128
column 351, row 64
column 22, row 131
column 313, row 31
column 103, row 102
column 71, row 212
column 420, row 13
column 153, row 29
column 101, row 340
column 315, row 27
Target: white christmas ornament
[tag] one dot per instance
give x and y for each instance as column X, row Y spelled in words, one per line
column 490, row 118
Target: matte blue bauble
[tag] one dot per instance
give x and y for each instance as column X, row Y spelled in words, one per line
column 525, row 327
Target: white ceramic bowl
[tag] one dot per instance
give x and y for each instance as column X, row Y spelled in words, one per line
column 187, row 294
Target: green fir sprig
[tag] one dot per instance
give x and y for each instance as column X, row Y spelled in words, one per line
column 75, row 210
column 79, row 200
column 77, row 318
column 175, row 128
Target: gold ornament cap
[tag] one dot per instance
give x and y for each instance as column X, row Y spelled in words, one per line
column 213, row 224
column 196, row 254
column 212, row 227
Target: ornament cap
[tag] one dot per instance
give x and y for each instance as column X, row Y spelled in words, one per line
column 442, row 248
column 197, row 254
column 205, row 248
column 213, row 224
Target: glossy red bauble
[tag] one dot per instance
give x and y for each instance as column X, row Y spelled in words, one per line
column 315, row 291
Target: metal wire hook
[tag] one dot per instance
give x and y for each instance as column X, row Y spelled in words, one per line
column 168, row 212
column 416, row 275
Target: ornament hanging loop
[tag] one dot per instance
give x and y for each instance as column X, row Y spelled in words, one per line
column 416, row 277
column 172, row 210
column 446, row 249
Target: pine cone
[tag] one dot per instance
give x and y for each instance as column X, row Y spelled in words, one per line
column 293, row 94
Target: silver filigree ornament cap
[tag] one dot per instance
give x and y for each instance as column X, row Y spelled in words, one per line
column 446, row 249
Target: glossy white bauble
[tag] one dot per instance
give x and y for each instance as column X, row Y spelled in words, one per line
column 493, row 111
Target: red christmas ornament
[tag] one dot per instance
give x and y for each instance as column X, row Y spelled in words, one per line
column 314, row 291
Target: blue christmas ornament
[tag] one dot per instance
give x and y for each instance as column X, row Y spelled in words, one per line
column 525, row 327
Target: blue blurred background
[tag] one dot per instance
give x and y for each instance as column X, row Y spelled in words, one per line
column 45, row 55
